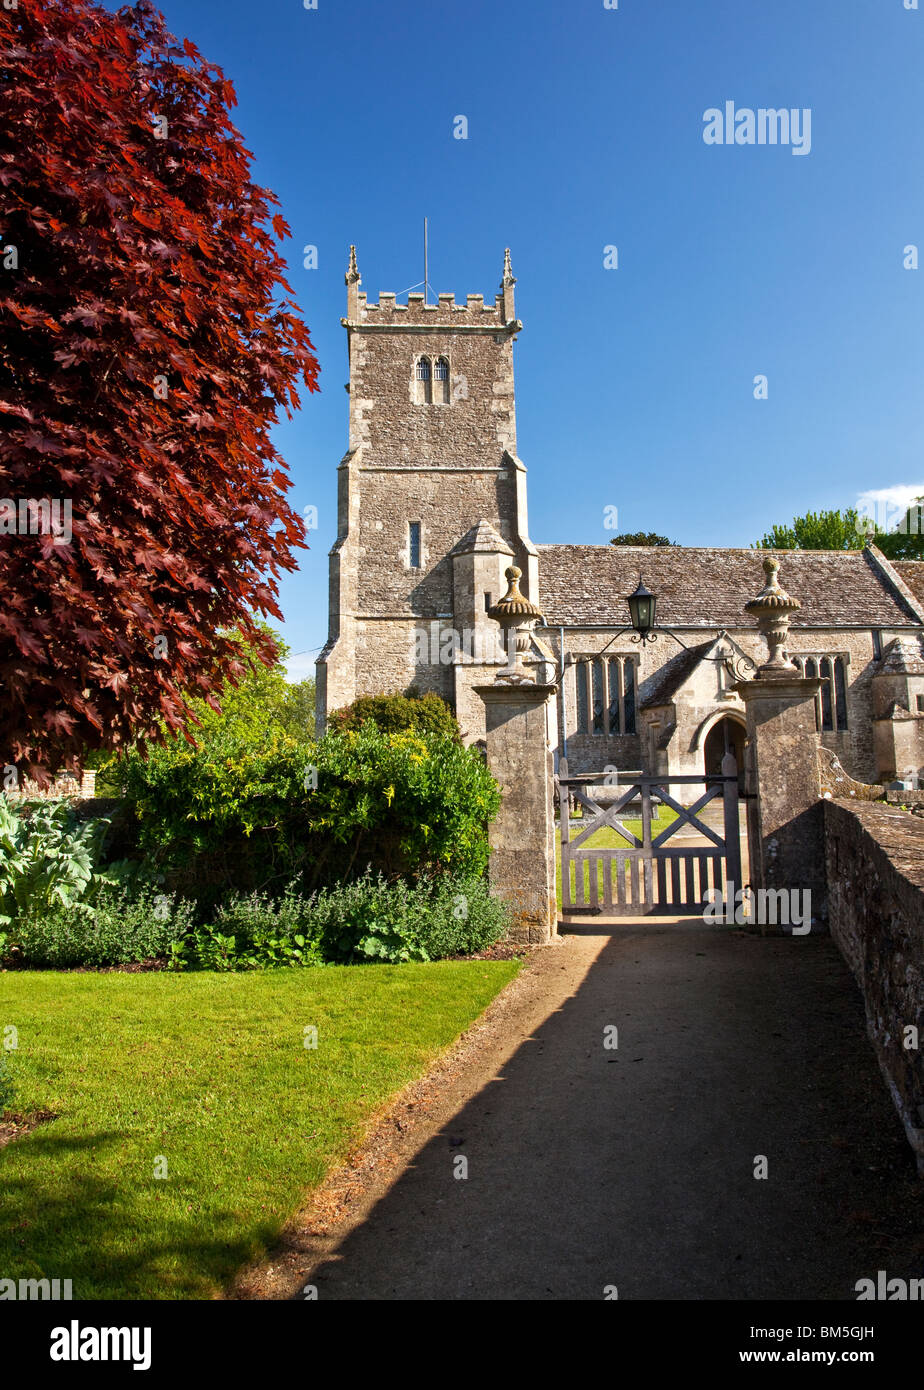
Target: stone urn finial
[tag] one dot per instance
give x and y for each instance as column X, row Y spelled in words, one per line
column 517, row 618
column 773, row 608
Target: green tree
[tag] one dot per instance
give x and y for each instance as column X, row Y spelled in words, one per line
column 262, row 709
column 297, row 713
column 827, row 530
column 641, row 538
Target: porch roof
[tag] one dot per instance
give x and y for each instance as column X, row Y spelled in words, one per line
column 661, row 688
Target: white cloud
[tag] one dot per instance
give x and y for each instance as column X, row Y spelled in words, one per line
column 887, row 505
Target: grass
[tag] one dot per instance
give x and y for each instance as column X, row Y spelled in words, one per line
column 607, row 838
column 210, row 1073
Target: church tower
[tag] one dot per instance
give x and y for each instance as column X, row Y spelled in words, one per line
column 431, row 497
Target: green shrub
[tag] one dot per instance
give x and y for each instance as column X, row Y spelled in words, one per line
column 254, row 818
column 459, row 916
column 395, row 714
column 117, row 929
column 408, row 804
column 371, row 919
column 368, row 919
column 7, row 1088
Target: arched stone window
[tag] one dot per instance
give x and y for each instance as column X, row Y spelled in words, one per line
column 423, row 383
column 441, row 376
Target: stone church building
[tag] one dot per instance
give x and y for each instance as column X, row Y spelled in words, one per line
column 431, row 512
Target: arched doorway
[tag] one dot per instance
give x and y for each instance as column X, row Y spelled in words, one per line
column 725, row 736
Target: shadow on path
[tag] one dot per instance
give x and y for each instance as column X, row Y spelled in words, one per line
column 590, row 1167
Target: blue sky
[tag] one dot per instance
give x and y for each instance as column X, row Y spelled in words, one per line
column 635, row 386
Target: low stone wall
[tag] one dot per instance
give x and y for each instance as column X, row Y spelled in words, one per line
column 76, row 785
column 875, row 867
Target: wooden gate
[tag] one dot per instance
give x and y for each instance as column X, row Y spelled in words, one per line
column 646, row 874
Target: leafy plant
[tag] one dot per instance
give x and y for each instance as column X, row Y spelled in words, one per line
column 368, row 919
column 253, row 932
column 459, row 916
column 371, row 919
column 47, row 857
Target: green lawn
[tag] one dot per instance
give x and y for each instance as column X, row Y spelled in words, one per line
column 209, row 1072
column 608, row 839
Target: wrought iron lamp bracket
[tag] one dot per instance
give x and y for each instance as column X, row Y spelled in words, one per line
column 742, row 667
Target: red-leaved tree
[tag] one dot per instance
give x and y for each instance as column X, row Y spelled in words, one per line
column 147, row 338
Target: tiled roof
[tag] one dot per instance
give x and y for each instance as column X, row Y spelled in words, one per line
column 707, row 587
column 912, row 572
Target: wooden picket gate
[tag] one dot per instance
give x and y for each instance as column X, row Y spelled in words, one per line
column 646, row 875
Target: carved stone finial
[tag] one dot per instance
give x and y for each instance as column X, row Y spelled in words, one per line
column 509, row 277
column 352, row 275
column 513, row 604
column 773, row 608
column 517, row 618
column 772, row 595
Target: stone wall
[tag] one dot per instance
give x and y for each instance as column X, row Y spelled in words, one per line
column 80, row 785
column 875, row 868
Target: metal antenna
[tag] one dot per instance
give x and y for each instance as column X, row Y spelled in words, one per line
column 426, row 280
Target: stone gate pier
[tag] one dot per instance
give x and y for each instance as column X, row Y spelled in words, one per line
column 522, row 836
column 782, row 780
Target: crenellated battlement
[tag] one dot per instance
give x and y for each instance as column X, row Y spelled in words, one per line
column 361, row 312
column 445, row 311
